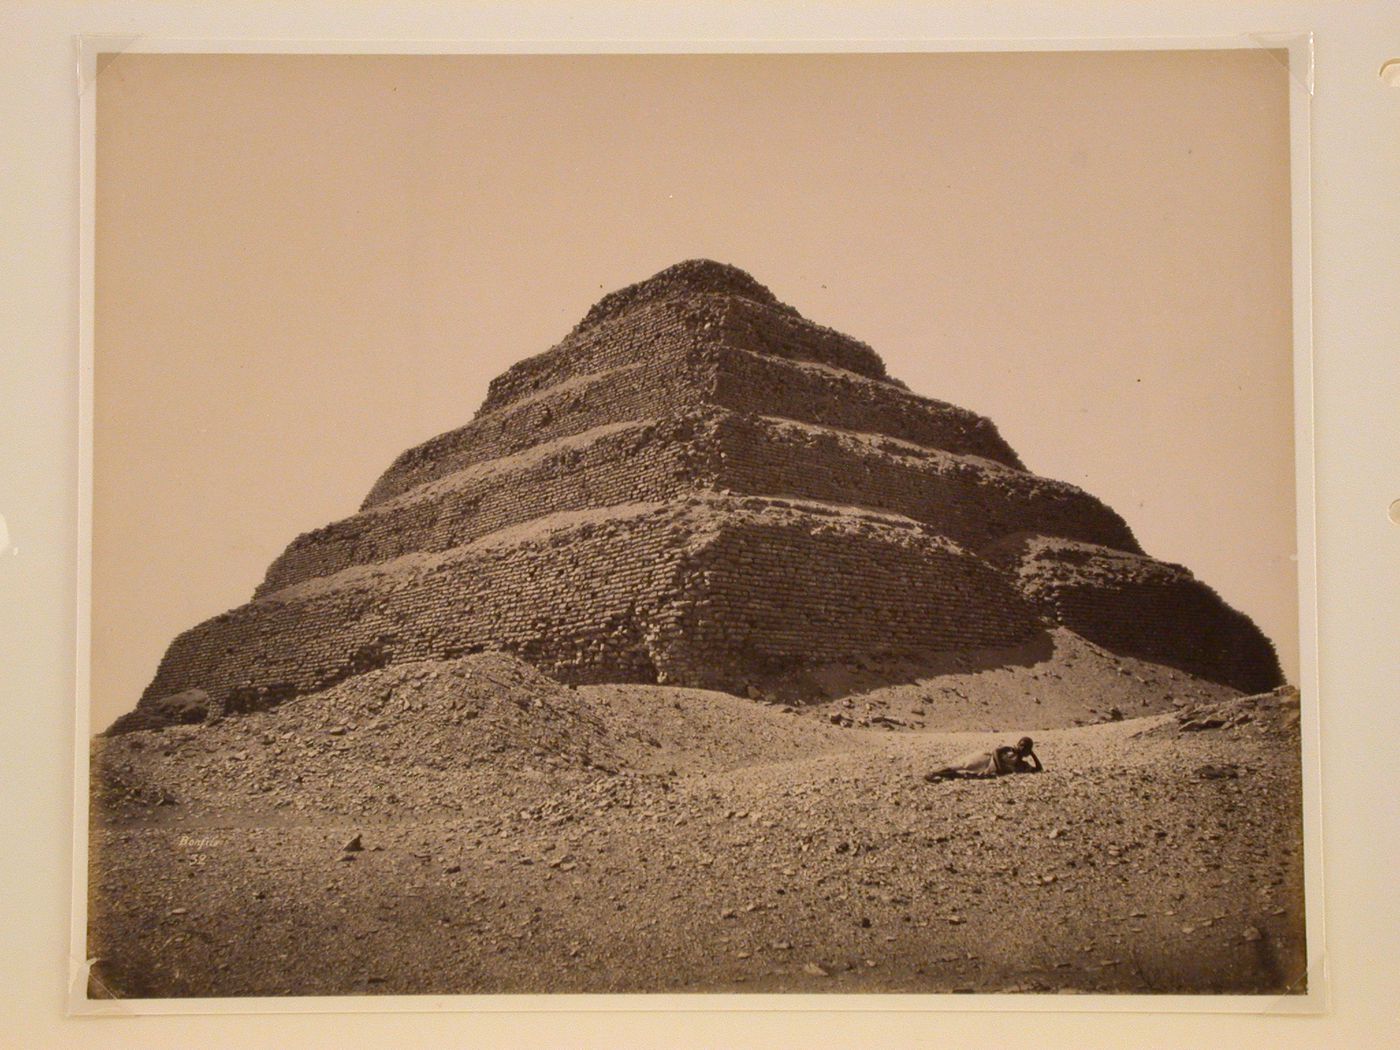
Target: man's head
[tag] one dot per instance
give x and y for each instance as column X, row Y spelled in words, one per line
column 1024, row 745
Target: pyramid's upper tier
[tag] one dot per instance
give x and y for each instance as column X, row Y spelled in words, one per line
column 713, row 303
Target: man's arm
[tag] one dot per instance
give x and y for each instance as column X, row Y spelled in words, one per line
column 1036, row 759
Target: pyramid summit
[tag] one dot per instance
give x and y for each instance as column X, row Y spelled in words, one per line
column 700, row 486
column 690, row 278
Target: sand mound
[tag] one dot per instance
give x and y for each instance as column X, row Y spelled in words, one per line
column 664, row 728
column 1058, row 679
column 448, row 734
column 410, row 736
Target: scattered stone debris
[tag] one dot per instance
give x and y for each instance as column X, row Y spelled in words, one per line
column 1224, row 771
column 783, row 838
column 1197, row 723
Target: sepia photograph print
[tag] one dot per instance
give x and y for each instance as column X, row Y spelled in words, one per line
column 815, row 523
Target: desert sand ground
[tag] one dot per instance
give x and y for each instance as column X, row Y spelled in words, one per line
column 476, row 827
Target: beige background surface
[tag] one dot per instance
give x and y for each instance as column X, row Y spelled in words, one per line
column 306, row 264
column 1355, row 266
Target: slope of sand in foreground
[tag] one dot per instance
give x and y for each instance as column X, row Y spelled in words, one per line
column 521, row 836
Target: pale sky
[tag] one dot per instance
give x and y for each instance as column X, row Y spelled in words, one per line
column 307, row 264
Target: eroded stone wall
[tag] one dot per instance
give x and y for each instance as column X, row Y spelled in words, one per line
column 744, row 325
column 681, row 377
column 1142, row 607
column 648, row 461
column 810, row 393
column 707, row 591
column 972, row 502
column 653, row 329
column 785, row 592
column 635, row 335
column 572, row 597
column 675, row 380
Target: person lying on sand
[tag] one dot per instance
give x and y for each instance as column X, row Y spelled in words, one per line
column 996, row 763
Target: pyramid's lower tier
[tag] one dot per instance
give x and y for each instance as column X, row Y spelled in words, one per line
column 712, row 592
column 716, row 592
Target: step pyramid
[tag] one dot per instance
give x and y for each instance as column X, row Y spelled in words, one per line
column 699, row 486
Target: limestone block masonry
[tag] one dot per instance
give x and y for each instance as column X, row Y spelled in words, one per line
column 699, row 486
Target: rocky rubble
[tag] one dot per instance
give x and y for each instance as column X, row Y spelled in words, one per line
column 474, row 827
column 412, row 737
column 1274, row 711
